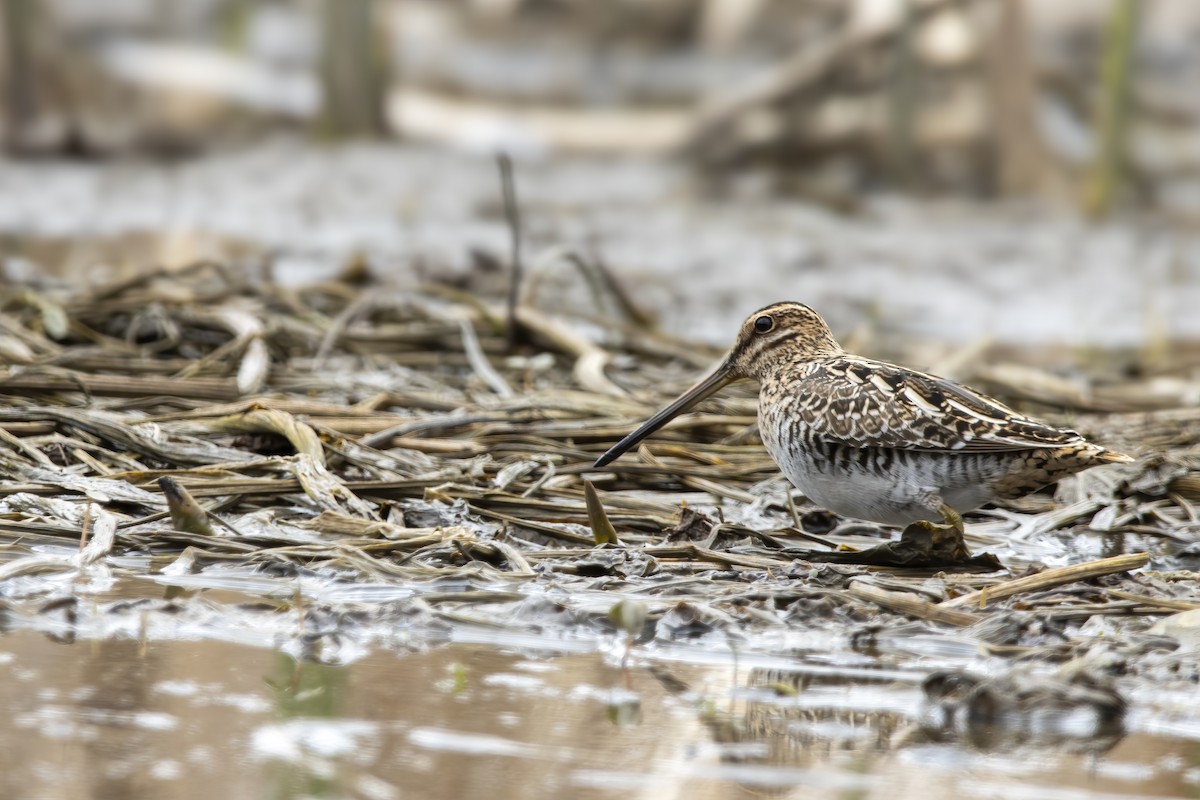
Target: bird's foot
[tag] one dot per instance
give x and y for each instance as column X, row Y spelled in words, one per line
column 941, row 540
column 922, row 544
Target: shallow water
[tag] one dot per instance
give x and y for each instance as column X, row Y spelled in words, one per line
column 120, row 718
column 494, row 713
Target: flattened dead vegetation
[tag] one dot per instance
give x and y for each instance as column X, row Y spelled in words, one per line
column 365, row 468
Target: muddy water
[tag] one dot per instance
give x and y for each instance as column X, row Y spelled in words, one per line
column 122, row 718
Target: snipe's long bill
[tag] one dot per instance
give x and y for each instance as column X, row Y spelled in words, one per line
column 716, row 380
column 878, row 441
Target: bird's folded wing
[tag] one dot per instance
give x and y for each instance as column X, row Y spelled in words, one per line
column 865, row 403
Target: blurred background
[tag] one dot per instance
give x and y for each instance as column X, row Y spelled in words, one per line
column 993, row 171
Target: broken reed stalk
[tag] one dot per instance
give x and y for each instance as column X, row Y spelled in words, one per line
column 353, row 70
column 602, row 529
column 629, row 307
column 1049, row 579
column 479, row 361
column 701, row 484
column 512, row 214
column 910, row 605
column 22, row 100
column 903, row 90
column 119, row 386
column 86, row 528
column 1112, row 116
column 1157, row 602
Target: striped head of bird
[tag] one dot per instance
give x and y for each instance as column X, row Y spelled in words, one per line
column 771, row 342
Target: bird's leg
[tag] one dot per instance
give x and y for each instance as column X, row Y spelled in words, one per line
column 946, row 540
column 953, row 518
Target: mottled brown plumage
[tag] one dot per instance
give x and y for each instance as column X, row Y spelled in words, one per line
column 878, row 441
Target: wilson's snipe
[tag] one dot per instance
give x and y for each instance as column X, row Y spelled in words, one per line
column 877, row 441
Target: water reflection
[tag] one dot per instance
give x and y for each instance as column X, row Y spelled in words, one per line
column 122, row 718
column 114, row 706
column 315, row 694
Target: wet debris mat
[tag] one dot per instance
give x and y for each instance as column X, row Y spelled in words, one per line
column 332, row 468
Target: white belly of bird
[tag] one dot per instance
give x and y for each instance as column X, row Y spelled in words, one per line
column 892, row 487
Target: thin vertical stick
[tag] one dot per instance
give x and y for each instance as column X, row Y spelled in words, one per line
column 18, row 18
column 902, row 98
column 353, row 69
column 87, row 525
column 1022, row 162
column 1112, row 117
column 512, row 213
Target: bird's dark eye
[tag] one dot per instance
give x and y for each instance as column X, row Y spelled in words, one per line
column 763, row 324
